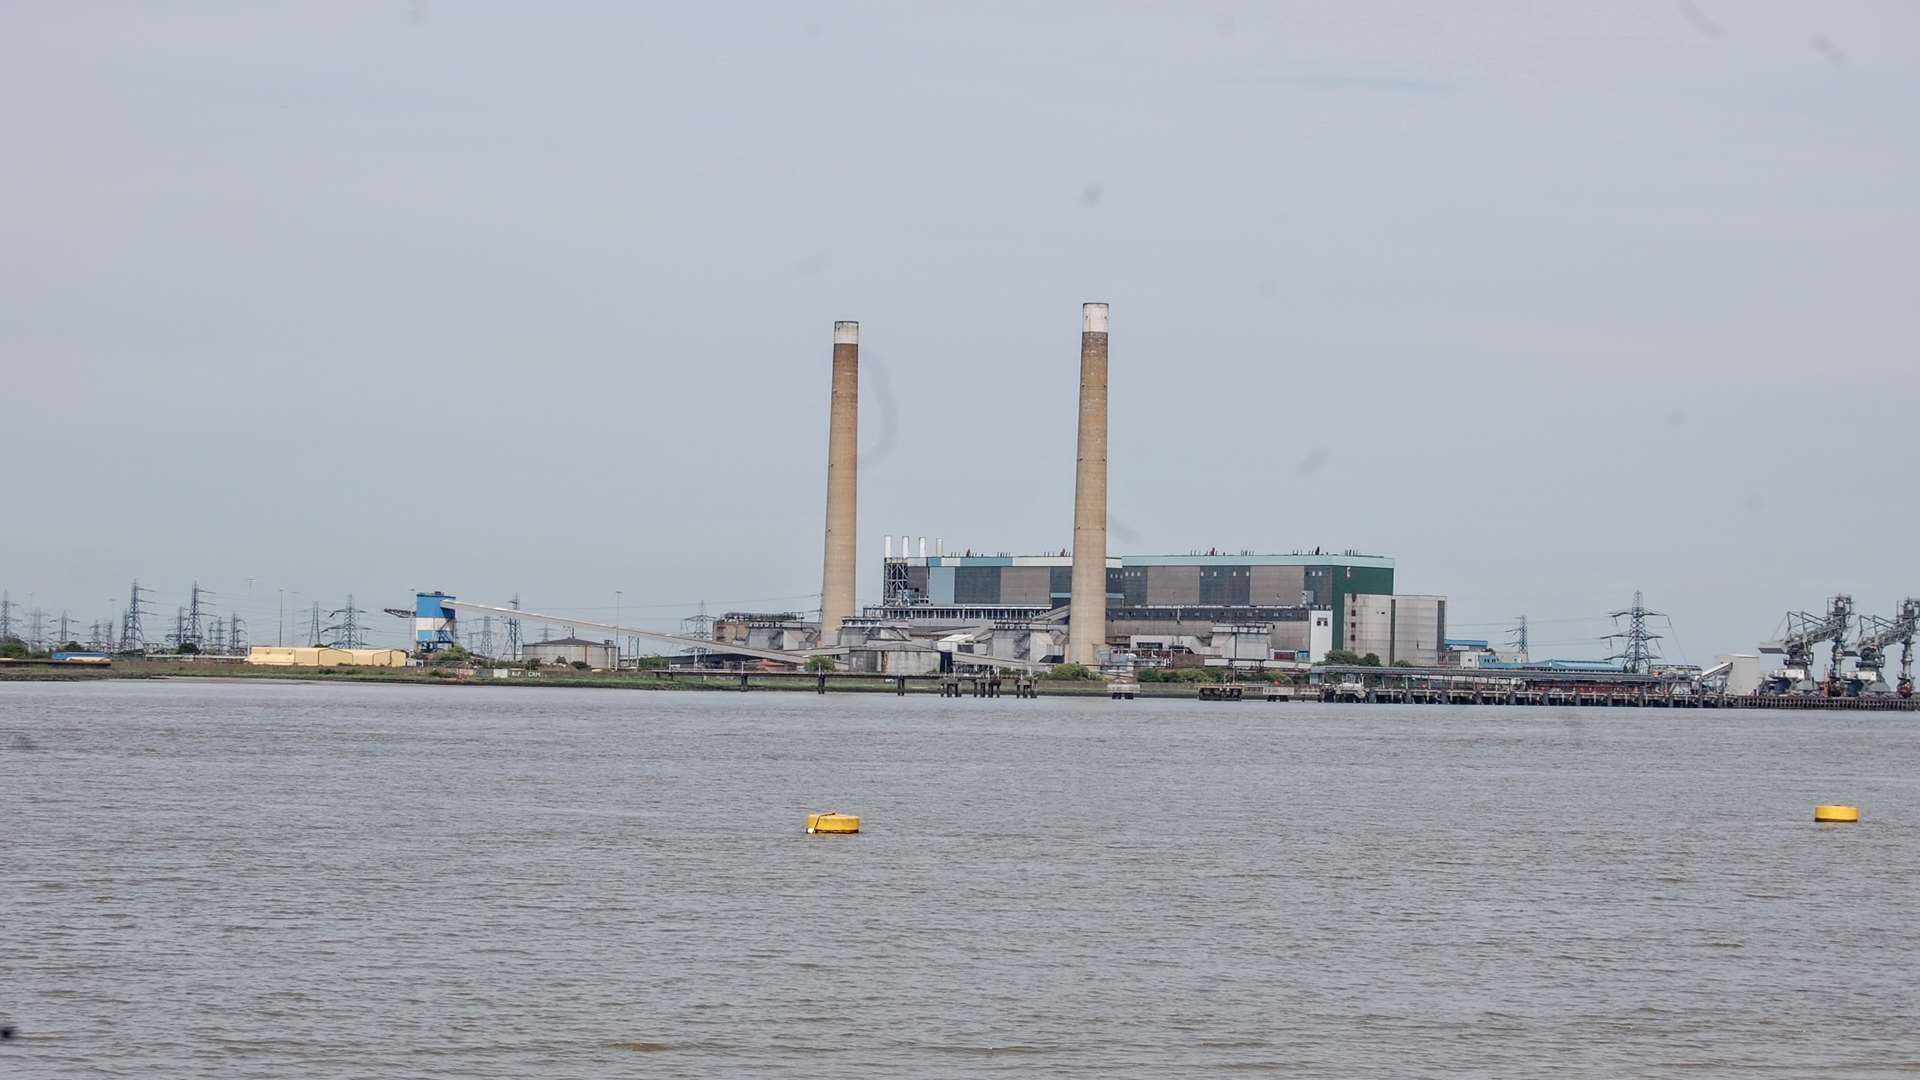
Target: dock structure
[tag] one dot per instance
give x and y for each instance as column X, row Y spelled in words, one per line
column 988, row 685
column 1509, row 686
column 981, row 684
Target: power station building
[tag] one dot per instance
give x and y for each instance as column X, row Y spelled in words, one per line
column 1305, row 602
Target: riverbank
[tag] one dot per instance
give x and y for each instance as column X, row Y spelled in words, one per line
column 837, row 683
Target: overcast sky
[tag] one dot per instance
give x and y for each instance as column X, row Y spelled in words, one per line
column 1548, row 302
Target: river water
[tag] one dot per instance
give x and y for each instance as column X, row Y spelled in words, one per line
column 268, row 879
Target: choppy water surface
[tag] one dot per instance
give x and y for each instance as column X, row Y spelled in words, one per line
column 320, row 880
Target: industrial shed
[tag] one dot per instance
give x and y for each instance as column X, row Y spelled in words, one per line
column 598, row 655
column 322, row 656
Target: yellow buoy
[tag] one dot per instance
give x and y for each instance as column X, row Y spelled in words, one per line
column 832, row 822
column 1836, row 813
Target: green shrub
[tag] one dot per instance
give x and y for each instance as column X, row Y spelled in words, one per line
column 1072, row 671
column 1183, row 675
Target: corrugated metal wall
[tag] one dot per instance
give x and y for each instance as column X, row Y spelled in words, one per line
column 1227, row 585
column 940, row 585
column 1173, row 586
column 977, row 585
column 1026, row 585
column 1289, row 635
column 1419, row 629
column 1279, row 586
column 1369, row 625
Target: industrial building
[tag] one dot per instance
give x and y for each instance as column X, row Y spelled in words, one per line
column 320, row 657
column 598, row 655
column 1300, row 604
column 1397, row 629
column 1023, row 612
column 1228, row 610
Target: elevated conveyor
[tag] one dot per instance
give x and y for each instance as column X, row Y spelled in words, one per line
column 782, row 656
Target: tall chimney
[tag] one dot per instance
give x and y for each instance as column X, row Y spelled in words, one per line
column 1087, row 611
column 843, row 449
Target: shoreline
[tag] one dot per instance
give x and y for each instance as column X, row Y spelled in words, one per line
column 718, row 682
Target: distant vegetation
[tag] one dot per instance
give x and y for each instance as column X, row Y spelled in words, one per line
column 1072, row 671
column 814, row 663
column 1348, row 656
column 1183, row 675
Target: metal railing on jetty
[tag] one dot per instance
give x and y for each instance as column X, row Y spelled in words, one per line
column 981, row 684
column 1457, row 686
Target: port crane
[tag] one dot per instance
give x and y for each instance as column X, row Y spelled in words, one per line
column 1804, row 631
column 1876, row 635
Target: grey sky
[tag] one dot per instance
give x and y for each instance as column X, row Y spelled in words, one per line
column 498, row 298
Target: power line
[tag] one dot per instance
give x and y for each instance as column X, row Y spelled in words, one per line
column 681, row 605
column 1639, row 653
column 133, row 638
column 1533, row 622
column 194, row 630
column 1676, row 640
column 347, row 632
column 699, row 626
column 513, row 631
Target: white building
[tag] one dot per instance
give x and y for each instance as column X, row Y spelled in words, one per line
column 1398, row 629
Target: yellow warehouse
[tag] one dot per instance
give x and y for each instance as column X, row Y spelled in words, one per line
column 296, row 656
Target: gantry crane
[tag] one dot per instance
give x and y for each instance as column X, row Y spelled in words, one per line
column 1804, row 631
column 1876, row 634
column 1909, row 614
